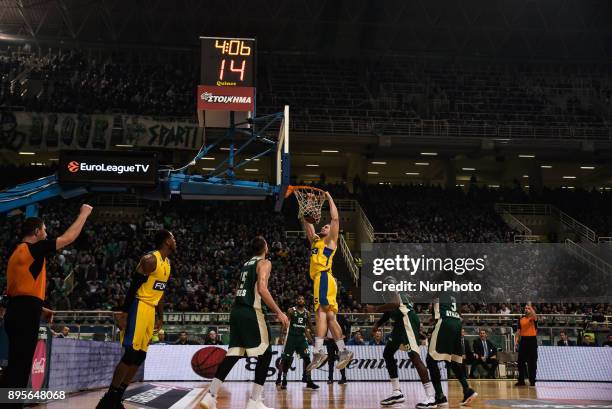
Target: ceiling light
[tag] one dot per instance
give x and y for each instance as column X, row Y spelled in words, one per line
column 208, row 168
column 472, row 169
column 379, row 163
column 27, row 153
column 312, row 165
column 207, row 158
column 527, row 156
column 429, row 153
column 328, row 151
column 569, row 177
column 421, row 163
column 587, row 167
column 124, row 146
column 525, row 176
column 372, row 173
column 413, row 173
column 546, row 166
column 251, row 170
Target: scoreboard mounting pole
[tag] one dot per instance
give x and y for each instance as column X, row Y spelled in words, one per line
column 227, row 81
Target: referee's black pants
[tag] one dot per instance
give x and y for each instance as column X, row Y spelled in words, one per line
column 528, row 355
column 21, row 322
column 332, row 357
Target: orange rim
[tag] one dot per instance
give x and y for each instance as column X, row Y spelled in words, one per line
column 291, row 189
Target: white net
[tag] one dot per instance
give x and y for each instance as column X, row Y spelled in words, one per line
column 310, row 202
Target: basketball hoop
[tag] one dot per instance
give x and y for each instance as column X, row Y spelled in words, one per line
column 310, row 200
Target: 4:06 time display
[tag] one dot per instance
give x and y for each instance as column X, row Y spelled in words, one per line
column 228, row 62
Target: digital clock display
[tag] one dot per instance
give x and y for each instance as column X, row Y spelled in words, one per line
column 228, row 62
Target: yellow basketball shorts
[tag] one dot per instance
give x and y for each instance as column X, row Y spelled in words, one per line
column 325, row 291
column 139, row 329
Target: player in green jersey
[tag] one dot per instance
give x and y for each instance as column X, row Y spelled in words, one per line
column 404, row 336
column 249, row 331
column 296, row 341
column 445, row 345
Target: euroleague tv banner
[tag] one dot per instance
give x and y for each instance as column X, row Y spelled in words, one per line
column 124, row 168
column 226, row 98
column 173, row 363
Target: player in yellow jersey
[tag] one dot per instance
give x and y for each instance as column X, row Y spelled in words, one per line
column 322, row 250
column 142, row 312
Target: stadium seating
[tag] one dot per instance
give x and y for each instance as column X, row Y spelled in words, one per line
column 391, row 96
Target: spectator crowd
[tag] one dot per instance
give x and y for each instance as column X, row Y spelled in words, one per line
column 324, row 95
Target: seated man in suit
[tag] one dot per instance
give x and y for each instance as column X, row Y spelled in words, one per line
column 564, row 341
column 485, row 355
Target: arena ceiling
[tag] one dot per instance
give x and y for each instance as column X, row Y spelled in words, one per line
column 577, row 29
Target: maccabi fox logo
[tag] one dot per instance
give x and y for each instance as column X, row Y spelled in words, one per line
column 74, row 166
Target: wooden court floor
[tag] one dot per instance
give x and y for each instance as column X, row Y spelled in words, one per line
column 367, row 395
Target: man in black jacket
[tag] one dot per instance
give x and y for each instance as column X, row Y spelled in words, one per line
column 485, row 354
column 564, row 341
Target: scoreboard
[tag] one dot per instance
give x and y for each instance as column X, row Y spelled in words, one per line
column 228, row 62
column 227, row 76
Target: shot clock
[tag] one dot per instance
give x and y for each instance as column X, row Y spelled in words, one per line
column 228, row 62
column 226, row 93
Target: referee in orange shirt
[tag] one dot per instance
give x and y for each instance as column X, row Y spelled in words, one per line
column 527, row 343
column 26, row 284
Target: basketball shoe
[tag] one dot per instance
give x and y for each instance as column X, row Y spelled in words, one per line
column 441, row 401
column 256, row 404
column 430, row 403
column 208, row 402
column 396, row 397
column 344, row 358
column 318, row 359
column 468, row 397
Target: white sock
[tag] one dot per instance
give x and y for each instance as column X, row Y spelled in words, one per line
column 429, row 390
column 214, row 386
column 318, row 344
column 340, row 344
column 395, row 384
column 256, row 393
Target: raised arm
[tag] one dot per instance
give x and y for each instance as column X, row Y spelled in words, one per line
column 263, row 274
column 334, row 223
column 71, row 234
column 309, row 230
